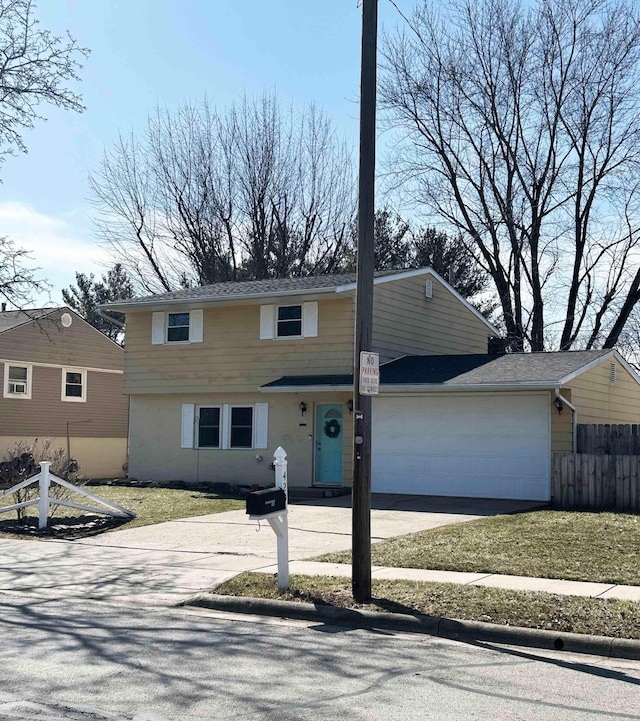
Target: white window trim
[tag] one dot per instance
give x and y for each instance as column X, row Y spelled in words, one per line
column 275, row 321
column 197, row 427
column 225, row 426
column 160, row 327
column 308, row 321
column 24, row 396
column 167, row 326
column 74, row 399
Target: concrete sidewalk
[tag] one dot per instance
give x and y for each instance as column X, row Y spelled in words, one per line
column 494, row 580
column 164, row 563
column 167, row 562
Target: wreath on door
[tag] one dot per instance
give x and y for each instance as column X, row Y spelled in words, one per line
column 332, row 428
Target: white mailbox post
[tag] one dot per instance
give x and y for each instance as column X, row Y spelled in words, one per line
column 280, row 523
column 258, row 506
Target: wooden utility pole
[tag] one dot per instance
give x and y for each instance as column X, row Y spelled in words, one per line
column 361, row 519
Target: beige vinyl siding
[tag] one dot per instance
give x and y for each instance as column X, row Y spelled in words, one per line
column 405, row 322
column 561, row 425
column 155, row 452
column 600, row 401
column 47, row 341
column 45, row 414
column 232, row 357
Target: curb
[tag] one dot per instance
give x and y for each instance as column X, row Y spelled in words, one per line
column 456, row 630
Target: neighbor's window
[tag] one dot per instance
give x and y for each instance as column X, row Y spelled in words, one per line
column 241, row 427
column 74, row 385
column 209, row 427
column 177, row 327
column 289, row 321
column 18, row 381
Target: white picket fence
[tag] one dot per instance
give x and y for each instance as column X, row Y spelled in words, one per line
column 44, row 479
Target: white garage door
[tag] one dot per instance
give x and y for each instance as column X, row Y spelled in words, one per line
column 474, row 445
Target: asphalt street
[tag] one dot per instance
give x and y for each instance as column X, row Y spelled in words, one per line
column 80, row 661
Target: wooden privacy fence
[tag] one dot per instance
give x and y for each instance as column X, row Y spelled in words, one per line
column 588, row 480
column 609, row 439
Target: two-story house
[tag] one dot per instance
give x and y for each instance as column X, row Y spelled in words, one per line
column 220, row 376
column 62, row 381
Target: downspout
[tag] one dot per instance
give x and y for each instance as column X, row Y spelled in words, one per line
column 565, row 402
column 110, row 318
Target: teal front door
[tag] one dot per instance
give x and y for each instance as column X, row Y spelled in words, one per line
column 329, row 436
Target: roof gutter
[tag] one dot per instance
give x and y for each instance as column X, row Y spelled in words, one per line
column 143, row 305
column 400, row 388
column 110, row 318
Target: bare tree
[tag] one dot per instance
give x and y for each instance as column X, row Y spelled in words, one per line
column 253, row 192
column 35, row 67
column 520, row 129
column 18, row 284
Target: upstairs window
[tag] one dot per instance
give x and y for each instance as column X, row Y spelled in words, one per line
column 17, row 381
column 178, row 327
column 289, row 322
column 74, row 385
column 183, row 327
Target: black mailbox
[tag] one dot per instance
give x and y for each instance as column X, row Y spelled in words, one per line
column 262, row 503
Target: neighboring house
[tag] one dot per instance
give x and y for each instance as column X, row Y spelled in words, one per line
column 220, row 376
column 62, row 380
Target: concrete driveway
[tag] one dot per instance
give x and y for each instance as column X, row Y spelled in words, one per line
column 164, row 563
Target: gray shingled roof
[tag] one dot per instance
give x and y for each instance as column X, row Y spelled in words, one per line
column 220, row 291
column 465, row 370
column 13, row 318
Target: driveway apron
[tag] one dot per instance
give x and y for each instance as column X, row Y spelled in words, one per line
column 164, row 563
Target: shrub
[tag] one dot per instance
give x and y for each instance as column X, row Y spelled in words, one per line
column 21, row 462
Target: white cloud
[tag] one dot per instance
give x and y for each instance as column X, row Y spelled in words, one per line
column 59, row 246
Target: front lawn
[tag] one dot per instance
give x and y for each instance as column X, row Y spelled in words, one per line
column 602, row 617
column 601, row 547
column 151, row 505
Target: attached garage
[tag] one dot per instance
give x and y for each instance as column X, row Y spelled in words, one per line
column 481, row 426
column 487, row 445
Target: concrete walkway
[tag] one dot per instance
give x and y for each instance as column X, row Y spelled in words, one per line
column 495, row 580
column 165, row 563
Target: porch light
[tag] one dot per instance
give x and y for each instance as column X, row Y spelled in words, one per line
column 303, row 407
column 558, row 404
column 350, row 405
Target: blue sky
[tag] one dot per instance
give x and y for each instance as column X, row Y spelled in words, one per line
column 149, row 52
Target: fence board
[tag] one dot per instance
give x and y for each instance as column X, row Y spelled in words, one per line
column 608, row 439
column 596, row 481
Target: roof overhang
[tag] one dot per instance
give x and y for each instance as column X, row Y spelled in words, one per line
column 159, row 304
column 400, row 388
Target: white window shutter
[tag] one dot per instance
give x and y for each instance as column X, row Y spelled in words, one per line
column 310, row 319
column 261, row 425
column 188, row 423
column 195, row 326
column 157, row 328
column 226, row 426
column 267, row 321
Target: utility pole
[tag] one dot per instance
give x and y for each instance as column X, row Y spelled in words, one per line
column 361, row 518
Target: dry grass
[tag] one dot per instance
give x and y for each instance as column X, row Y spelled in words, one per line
column 604, row 617
column 151, row 505
column 599, row 547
